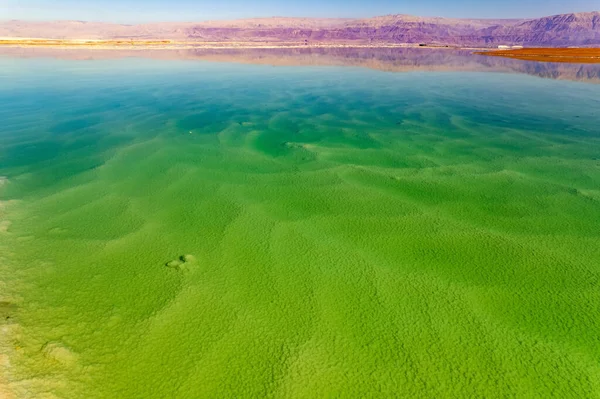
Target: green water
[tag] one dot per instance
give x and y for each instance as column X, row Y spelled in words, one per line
column 329, row 232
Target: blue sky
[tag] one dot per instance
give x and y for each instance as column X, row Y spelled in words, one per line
column 133, row 11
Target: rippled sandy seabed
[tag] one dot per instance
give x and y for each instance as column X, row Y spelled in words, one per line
column 185, row 228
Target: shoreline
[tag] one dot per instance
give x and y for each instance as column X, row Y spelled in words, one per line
column 541, row 54
column 185, row 45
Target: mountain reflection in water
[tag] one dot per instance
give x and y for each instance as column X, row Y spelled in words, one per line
column 384, row 59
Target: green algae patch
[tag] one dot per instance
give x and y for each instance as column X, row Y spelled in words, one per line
column 389, row 235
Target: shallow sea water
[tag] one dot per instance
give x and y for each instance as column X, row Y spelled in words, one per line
column 192, row 228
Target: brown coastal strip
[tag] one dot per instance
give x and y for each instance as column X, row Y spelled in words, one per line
column 571, row 55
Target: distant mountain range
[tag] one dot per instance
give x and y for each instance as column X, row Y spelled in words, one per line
column 579, row 29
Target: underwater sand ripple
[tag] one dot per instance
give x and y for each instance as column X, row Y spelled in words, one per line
column 351, row 238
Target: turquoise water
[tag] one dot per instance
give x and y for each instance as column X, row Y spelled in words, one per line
column 175, row 228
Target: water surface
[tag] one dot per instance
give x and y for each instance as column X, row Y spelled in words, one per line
column 221, row 227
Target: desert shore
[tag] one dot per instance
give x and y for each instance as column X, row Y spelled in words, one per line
column 570, row 55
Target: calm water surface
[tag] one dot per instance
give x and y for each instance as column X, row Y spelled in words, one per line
column 359, row 224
